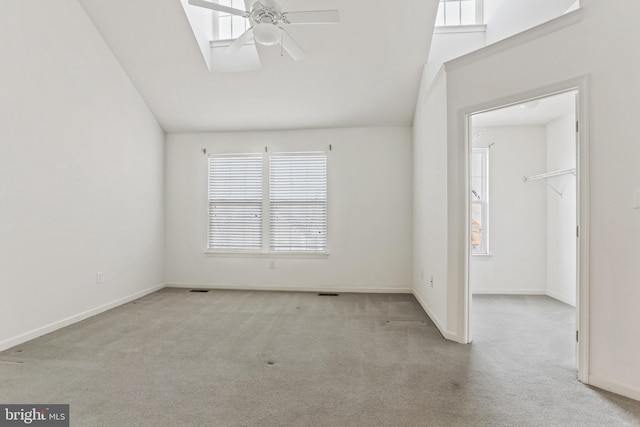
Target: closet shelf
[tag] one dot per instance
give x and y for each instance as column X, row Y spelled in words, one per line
column 550, row 174
column 544, row 176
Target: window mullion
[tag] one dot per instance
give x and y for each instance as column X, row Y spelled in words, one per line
column 479, row 12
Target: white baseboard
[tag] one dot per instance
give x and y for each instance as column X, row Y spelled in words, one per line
column 561, row 299
column 508, row 292
column 627, row 390
column 35, row 333
column 336, row 289
column 446, row 334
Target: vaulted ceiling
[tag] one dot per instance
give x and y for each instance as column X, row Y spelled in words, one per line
column 365, row 71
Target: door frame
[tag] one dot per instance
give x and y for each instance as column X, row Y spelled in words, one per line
column 581, row 87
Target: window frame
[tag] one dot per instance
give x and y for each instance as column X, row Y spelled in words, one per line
column 216, row 38
column 265, row 241
column 479, row 15
column 483, row 202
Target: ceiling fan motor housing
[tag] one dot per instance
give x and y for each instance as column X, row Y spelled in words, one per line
column 262, row 14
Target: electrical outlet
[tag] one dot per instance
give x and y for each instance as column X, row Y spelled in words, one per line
column 99, row 277
column 272, row 265
column 431, row 281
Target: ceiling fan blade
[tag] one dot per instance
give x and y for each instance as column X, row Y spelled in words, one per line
column 312, row 17
column 219, row 7
column 240, row 41
column 290, row 46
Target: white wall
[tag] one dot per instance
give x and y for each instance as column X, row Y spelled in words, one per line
column 561, row 211
column 517, row 213
column 599, row 46
column 505, row 18
column 81, row 163
column 446, row 46
column 201, row 22
column 430, row 201
column 369, row 186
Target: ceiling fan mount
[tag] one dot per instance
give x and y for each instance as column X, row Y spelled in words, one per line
column 261, row 14
column 267, row 23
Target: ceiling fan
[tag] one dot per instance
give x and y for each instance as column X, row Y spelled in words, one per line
column 268, row 21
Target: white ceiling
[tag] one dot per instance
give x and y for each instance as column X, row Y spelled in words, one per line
column 365, row 71
column 540, row 113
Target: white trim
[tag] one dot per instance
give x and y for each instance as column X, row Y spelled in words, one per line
column 581, row 85
column 583, row 222
column 216, row 44
column 250, row 287
column 536, row 32
column 446, row 334
column 481, row 257
column 466, row 126
column 318, row 255
column 51, row 327
column 534, row 292
column 453, row 29
column 623, row 389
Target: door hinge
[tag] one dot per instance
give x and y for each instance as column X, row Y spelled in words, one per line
column 577, row 336
column 577, row 126
column 577, row 231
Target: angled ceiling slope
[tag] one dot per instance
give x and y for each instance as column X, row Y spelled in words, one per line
column 365, row 71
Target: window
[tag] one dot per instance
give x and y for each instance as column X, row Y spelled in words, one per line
column 298, row 202
column 285, row 213
column 480, row 201
column 459, row 12
column 227, row 26
column 235, row 202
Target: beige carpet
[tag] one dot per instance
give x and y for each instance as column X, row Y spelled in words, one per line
column 230, row 358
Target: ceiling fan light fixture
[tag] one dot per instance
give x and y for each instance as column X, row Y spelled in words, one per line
column 530, row 105
column 266, row 34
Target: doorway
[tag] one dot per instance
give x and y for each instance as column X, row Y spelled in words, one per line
column 524, row 213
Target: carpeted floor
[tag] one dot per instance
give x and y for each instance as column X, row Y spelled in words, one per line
column 231, row 358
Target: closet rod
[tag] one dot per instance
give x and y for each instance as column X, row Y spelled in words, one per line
column 550, row 174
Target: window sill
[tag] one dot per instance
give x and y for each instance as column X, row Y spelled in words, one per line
column 452, row 29
column 225, row 43
column 481, row 256
column 303, row 255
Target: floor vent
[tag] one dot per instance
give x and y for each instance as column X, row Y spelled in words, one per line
column 199, row 290
column 327, row 294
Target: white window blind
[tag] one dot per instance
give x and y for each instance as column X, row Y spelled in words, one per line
column 235, row 202
column 298, row 202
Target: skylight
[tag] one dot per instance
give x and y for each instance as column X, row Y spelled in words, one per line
column 227, row 26
column 459, row 12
